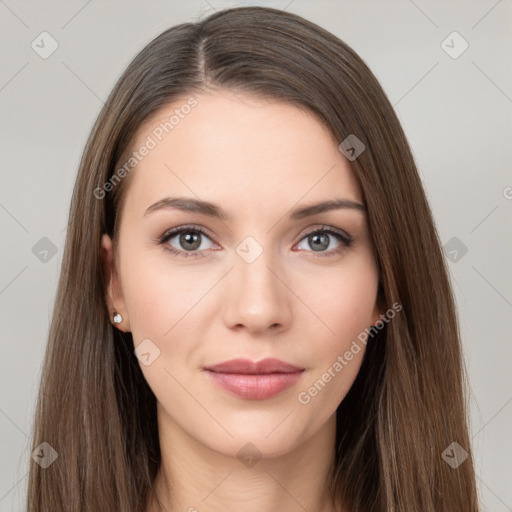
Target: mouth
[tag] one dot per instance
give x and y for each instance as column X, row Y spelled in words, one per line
column 254, row 380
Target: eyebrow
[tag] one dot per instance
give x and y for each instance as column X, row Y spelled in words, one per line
column 187, row 204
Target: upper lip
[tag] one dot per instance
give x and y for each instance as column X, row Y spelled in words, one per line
column 246, row 366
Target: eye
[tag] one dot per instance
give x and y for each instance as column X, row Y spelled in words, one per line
column 188, row 240
column 320, row 240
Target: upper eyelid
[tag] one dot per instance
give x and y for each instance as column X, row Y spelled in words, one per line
column 171, row 233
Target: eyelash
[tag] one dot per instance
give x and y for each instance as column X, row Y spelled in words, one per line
column 346, row 241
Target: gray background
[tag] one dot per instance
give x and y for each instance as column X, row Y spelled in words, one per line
column 455, row 112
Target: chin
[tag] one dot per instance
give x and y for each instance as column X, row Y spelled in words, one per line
column 259, row 435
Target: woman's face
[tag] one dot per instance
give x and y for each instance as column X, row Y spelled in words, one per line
column 256, row 284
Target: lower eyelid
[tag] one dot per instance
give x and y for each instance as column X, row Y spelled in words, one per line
column 185, row 254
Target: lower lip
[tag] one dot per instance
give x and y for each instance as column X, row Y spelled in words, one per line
column 255, row 387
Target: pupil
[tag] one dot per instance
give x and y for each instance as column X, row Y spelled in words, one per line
column 188, row 238
column 323, row 239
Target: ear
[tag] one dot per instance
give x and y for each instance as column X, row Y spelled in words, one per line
column 113, row 293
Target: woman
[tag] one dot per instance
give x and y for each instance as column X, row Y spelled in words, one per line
column 254, row 311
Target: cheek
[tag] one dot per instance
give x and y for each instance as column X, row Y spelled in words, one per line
column 157, row 295
column 163, row 304
column 344, row 301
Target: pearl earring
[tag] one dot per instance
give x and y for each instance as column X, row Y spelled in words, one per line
column 117, row 318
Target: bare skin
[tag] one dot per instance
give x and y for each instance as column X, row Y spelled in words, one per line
column 258, row 160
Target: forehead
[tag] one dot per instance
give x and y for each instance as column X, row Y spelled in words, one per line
column 231, row 146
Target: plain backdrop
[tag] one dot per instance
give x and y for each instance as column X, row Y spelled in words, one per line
column 454, row 103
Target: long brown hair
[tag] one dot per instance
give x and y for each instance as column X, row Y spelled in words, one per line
column 407, row 405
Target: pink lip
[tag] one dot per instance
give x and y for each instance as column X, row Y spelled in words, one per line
column 254, row 380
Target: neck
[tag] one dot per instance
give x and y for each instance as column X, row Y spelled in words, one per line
column 194, row 478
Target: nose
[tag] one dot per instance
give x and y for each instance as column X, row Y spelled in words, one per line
column 257, row 298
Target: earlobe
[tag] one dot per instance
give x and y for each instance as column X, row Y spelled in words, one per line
column 113, row 294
